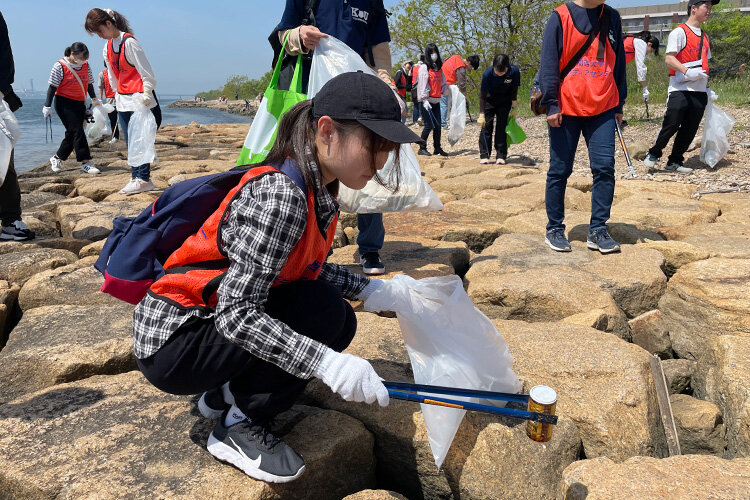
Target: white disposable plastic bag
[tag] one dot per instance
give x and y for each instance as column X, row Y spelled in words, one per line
column 333, row 57
column 457, row 116
column 9, row 134
column 100, row 125
column 141, row 137
column 715, row 143
column 450, row 343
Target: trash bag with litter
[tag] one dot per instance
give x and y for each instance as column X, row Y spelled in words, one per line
column 450, row 343
column 100, row 126
column 9, row 134
column 457, row 116
column 716, row 128
column 141, row 137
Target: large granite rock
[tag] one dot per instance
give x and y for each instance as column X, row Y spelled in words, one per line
column 119, row 437
column 8, row 297
column 721, row 239
column 704, row 300
column 93, row 221
column 677, row 253
column 467, row 186
column 99, row 187
column 680, row 477
column 700, row 425
column 654, row 210
column 19, row 266
column 723, row 376
column 375, row 495
column 61, row 343
column 648, row 332
column 442, row 225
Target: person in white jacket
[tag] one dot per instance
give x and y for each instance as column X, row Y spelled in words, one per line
column 637, row 46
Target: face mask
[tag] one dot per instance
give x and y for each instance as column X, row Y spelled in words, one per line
column 77, row 62
column 434, row 56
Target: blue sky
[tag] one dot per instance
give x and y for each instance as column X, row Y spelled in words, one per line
column 191, row 47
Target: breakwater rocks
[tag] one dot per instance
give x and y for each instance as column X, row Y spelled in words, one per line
column 235, row 107
column 77, row 420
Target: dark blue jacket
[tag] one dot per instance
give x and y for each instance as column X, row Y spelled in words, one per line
column 499, row 91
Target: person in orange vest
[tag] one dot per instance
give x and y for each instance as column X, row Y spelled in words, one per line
column 107, row 95
column 402, row 81
column 584, row 91
column 431, row 87
column 455, row 74
column 637, row 46
column 250, row 314
column 132, row 78
column 69, row 80
column 688, row 52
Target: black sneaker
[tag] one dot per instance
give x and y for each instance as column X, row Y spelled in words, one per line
column 212, row 404
column 556, row 240
column 440, row 152
column 256, row 451
column 423, row 151
column 371, row 263
column 17, row 231
column 600, row 240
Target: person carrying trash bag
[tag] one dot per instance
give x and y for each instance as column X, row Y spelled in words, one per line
column 687, row 55
column 582, row 78
column 107, row 95
column 131, row 76
column 637, row 46
column 454, row 69
column 249, row 315
column 69, row 80
column 431, row 86
column 498, row 97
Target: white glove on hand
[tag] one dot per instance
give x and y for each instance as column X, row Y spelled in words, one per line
column 148, row 98
column 646, row 94
column 426, row 105
column 711, row 95
column 353, row 378
column 47, row 111
column 693, row 74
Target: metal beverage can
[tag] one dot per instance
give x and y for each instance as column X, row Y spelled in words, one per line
column 542, row 399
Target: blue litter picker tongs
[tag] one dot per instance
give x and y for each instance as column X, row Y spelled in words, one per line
column 396, row 390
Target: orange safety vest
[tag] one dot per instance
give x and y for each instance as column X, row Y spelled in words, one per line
column 689, row 53
column 108, row 92
column 435, row 80
column 128, row 79
column 195, row 270
column 629, row 49
column 590, row 88
column 415, row 75
column 69, row 86
column 450, row 66
column 402, row 90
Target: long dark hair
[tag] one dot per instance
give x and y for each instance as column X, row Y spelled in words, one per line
column 77, row 48
column 429, row 49
column 98, row 17
column 296, row 139
column 650, row 39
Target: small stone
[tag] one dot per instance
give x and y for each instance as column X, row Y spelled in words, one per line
column 679, row 373
column 700, row 425
column 649, row 332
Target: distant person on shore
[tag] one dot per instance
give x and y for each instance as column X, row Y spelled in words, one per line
column 236, row 95
column 402, row 81
column 688, row 52
column 107, row 95
column 279, row 316
column 69, row 80
column 13, row 227
column 431, row 87
column 498, row 97
column 455, row 68
column 247, row 105
column 637, row 46
column 583, row 101
column 131, row 76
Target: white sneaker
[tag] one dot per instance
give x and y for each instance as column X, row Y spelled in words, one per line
column 89, row 168
column 113, row 140
column 56, row 163
column 136, row 186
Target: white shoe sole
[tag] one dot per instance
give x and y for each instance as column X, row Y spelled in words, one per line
column 10, row 237
column 593, row 246
column 648, row 163
column 557, row 249
column 206, row 410
column 142, row 190
column 226, row 453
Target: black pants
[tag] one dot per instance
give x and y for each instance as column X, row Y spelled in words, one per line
column 198, row 357
column 501, row 111
column 10, row 196
column 431, row 121
column 113, row 123
column 684, row 114
column 72, row 113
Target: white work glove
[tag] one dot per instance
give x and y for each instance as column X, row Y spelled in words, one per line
column 353, row 378
column 47, row 111
column 646, row 94
column 693, row 74
column 426, row 105
column 148, row 98
column 711, row 95
column 95, row 102
column 481, row 120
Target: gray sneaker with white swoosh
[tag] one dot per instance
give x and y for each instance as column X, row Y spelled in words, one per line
column 255, row 450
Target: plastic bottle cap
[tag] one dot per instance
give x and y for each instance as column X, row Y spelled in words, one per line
column 543, row 395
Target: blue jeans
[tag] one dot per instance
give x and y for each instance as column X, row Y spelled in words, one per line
column 599, row 133
column 414, row 111
column 445, row 104
column 371, row 233
column 141, row 171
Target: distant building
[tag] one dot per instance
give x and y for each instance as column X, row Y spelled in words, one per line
column 660, row 19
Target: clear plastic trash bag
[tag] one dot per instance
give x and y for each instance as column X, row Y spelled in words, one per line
column 715, row 143
column 141, row 137
column 333, row 57
column 9, row 134
column 100, row 126
column 450, row 343
column 457, row 116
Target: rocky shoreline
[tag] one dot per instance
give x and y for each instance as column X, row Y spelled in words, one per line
column 79, row 421
column 234, row 107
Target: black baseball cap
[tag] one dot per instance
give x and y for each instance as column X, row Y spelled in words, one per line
column 366, row 99
column 696, row 2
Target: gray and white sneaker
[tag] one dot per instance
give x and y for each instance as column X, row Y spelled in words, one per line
column 600, row 240
column 650, row 160
column 212, row 405
column 556, row 240
column 17, row 231
column 255, row 450
column 676, row 167
column 55, row 163
column 135, row 186
column 89, row 168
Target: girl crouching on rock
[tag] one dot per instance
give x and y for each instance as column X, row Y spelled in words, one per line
column 131, row 76
column 249, row 310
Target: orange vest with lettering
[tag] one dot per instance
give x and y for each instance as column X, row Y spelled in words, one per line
column 195, row 270
column 69, row 86
column 590, row 88
column 450, row 66
column 689, row 53
column 629, row 49
column 435, row 80
column 128, row 79
column 108, row 92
